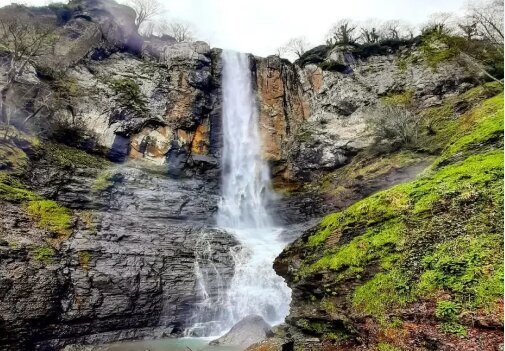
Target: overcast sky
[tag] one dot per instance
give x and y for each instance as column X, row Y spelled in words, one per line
column 260, row 26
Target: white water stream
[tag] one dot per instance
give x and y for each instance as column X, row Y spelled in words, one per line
column 246, row 191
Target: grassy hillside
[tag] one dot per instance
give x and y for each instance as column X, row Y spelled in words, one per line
column 420, row 261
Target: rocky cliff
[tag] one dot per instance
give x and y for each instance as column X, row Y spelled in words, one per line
column 99, row 238
column 94, row 251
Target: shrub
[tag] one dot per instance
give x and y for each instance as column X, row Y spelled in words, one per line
column 313, row 56
column 334, row 66
column 395, row 124
column 128, row 97
column 447, row 310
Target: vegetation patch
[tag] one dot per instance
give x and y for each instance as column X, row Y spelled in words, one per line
column 84, row 259
column 403, row 98
column 43, row 254
column 128, row 97
column 437, row 47
column 13, row 190
column 436, row 239
column 102, row 182
column 66, row 157
column 51, row 216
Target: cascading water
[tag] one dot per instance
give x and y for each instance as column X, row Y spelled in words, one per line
column 255, row 288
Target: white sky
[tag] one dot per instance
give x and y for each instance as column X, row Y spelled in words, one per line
column 260, row 26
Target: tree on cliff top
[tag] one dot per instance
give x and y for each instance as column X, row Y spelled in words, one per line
column 342, row 32
column 145, row 10
column 295, row 46
column 182, row 32
column 24, row 41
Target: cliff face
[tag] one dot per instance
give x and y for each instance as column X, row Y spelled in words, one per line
column 93, row 250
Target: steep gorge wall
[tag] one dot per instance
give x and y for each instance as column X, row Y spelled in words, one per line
column 126, row 270
column 124, row 265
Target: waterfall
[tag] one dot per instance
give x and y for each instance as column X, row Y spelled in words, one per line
column 246, row 191
column 255, row 287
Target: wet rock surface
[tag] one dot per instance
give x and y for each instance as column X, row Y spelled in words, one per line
column 248, row 331
column 127, row 271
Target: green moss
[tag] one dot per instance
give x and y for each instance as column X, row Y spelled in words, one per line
column 13, row 190
column 382, row 293
column 51, row 216
column 12, row 158
column 466, row 268
column 66, row 157
column 325, row 228
column 483, row 124
column 384, row 346
column 43, row 254
column 439, row 122
column 439, row 235
column 374, row 244
column 84, row 259
column 102, row 182
column 437, row 48
column 399, row 99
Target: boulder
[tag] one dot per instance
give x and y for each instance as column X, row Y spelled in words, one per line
column 248, row 331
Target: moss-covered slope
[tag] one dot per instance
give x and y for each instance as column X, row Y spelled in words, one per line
column 416, row 265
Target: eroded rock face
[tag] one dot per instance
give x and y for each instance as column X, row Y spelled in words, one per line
column 127, row 270
column 336, row 129
column 282, row 105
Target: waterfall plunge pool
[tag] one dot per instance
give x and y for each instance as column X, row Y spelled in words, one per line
column 180, row 344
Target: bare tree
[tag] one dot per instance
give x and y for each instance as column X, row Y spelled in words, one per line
column 369, row 31
column 296, row 46
column 488, row 19
column 467, row 27
column 148, row 29
column 439, row 22
column 281, row 51
column 182, row 32
column 145, row 10
column 483, row 21
column 396, row 29
column 342, row 32
column 25, row 41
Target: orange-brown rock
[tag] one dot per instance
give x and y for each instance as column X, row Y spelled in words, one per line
column 282, row 105
column 151, row 143
column 200, row 142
